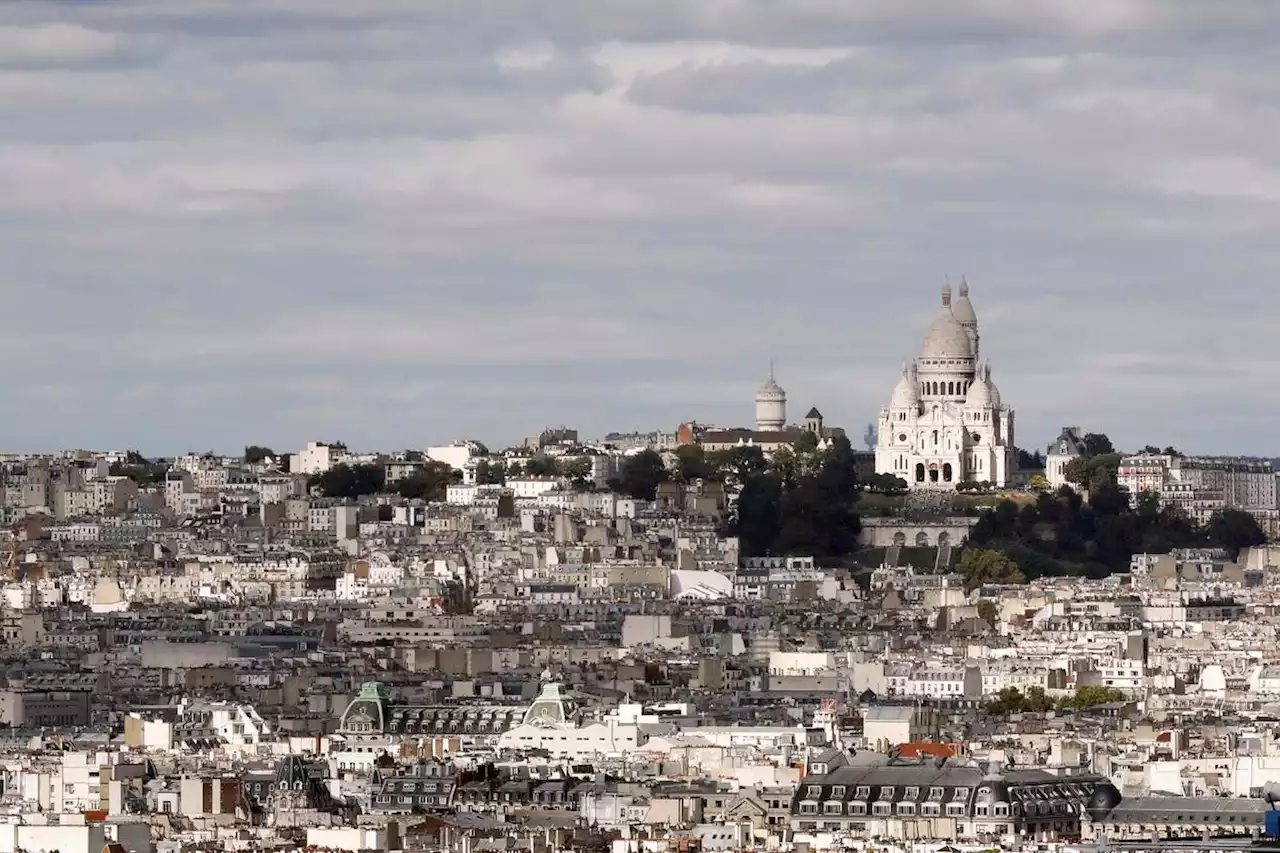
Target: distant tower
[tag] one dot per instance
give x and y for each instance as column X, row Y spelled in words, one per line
column 771, row 406
column 871, row 436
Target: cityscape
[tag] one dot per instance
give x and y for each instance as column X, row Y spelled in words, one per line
column 721, row 638
column 598, row 426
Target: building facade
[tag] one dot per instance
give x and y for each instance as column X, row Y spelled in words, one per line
column 945, row 423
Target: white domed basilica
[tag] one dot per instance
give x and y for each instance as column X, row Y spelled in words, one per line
column 945, row 423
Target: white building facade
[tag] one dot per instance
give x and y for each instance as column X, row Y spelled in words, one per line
column 945, row 423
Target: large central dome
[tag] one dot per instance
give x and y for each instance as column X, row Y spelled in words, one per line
column 946, row 338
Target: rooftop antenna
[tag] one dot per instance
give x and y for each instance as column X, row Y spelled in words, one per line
column 770, row 368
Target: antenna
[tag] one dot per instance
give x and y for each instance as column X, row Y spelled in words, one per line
column 770, row 368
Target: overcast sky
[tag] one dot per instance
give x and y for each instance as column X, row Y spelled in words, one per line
column 400, row 222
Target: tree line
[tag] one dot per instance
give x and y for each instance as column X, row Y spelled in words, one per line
column 1011, row 700
column 1063, row 534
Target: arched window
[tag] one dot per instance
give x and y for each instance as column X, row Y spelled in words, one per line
column 951, row 388
column 920, row 472
column 935, row 436
column 922, row 539
column 946, row 472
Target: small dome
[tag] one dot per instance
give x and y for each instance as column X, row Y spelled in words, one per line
column 906, row 395
column 979, row 396
column 946, row 338
column 992, row 390
column 771, row 391
column 1102, row 801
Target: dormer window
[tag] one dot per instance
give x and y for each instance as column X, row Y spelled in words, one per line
column 935, row 794
column 886, row 792
column 815, row 791
column 912, row 793
column 838, row 792
column 862, row 792
column 961, row 794
column 818, row 769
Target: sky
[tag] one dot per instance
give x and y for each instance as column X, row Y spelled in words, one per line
column 398, row 223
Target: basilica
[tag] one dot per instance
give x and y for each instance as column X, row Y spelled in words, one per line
column 945, row 423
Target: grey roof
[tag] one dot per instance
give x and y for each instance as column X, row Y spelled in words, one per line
column 1192, row 810
column 888, row 712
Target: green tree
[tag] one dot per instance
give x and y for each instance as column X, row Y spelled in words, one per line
column 1234, row 529
column 806, row 442
column 1091, row 472
column 1092, row 695
column 988, row 612
column 349, row 481
column 491, row 472
column 1039, row 483
column 641, row 475
column 1008, row 701
column 255, row 453
column 739, row 463
column 809, row 510
column 579, row 472
column 429, row 484
column 1097, row 444
column 542, row 466
column 692, row 464
column 983, row 565
column 1037, row 701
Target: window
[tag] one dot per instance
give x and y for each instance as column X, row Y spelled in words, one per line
column 815, row 791
column 857, row 808
column 838, row 792
column 912, row 793
column 961, row 794
column 935, row 794
column 862, row 792
column 808, row 808
column 833, row 808
column 906, row 808
column 880, row 809
column 886, row 792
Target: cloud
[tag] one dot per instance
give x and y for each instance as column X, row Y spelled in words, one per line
column 400, row 222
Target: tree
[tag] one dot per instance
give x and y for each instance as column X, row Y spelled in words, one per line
column 739, row 463
column 256, row 453
column 349, row 481
column 1097, row 444
column 542, row 466
column 885, row 483
column 692, row 464
column 144, row 473
column 579, row 472
column 982, row 566
column 1234, row 530
column 1011, row 700
column 1037, row 700
column 989, row 613
column 641, row 475
column 806, row 442
column 804, row 509
column 1091, row 472
column 1029, row 461
column 429, row 484
column 1092, row 695
column 1039, row 483
column 490, row 472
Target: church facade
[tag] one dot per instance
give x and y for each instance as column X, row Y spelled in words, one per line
column 945, row 423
